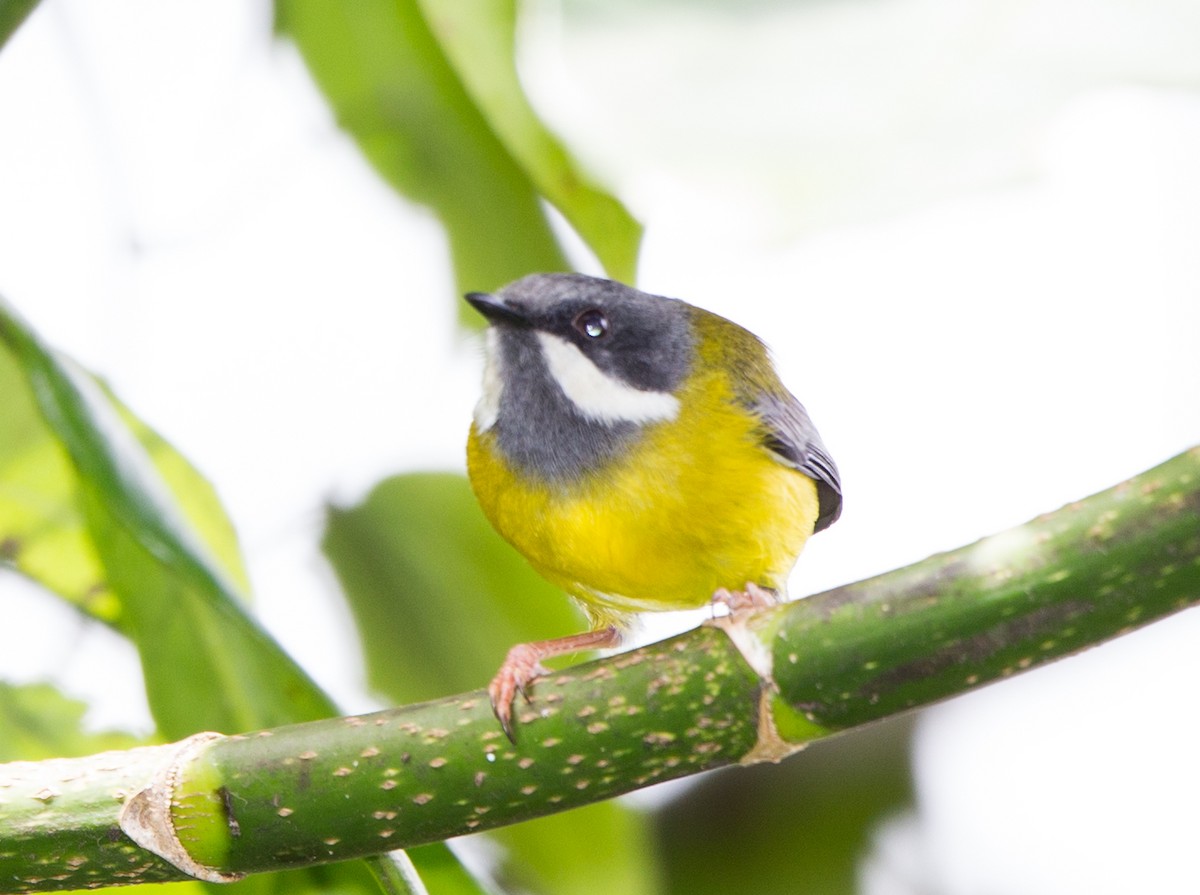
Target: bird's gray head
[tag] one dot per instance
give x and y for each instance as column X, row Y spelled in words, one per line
column 576, row 366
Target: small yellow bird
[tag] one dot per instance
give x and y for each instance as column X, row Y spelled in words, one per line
column 641, row 453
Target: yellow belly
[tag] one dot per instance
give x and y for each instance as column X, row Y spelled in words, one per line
column 696, row 505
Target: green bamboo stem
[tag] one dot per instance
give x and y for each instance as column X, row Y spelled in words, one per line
column 1067, row 580
column 59, row 822
column 757, row 689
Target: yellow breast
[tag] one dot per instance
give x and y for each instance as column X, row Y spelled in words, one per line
column 695, row 505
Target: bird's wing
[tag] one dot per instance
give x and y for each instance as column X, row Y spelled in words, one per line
column 790, row 435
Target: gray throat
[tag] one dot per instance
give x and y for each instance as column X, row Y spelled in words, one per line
column 539, row 430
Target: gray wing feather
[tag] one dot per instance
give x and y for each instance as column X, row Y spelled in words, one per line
column 791, row 436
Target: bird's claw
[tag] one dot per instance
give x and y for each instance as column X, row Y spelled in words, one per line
column 523, row 665
column 520, row 667
column 753, row 597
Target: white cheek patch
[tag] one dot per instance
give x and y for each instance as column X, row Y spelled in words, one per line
column 488, row 408
column 597, row 395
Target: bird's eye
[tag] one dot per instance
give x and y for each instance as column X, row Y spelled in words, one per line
column 592, row 323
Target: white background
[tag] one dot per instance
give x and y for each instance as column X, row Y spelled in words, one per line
column 970, row 230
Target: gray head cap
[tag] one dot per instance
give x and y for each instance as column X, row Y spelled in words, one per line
column 582, row 363
column 646, row 340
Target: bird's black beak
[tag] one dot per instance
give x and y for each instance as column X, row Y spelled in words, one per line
column 496, row 309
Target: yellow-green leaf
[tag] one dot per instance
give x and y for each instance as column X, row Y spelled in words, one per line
column 430, row 95
column 479, row 37
column 37, row 721
column 81, row 469
column 12, row 14
column 207, row 664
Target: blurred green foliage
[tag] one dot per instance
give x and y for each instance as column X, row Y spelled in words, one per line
column 429, row 91
column 206, row 662
column 438, row 598
column 208, row 665
column 40, row 722
column 12, row 14
column 437, row 595
column 799, row 826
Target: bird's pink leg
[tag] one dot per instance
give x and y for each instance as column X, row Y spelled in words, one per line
column 524, row 663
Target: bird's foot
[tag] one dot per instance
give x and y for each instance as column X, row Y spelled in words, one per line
column 523, row 664
column 753, row 597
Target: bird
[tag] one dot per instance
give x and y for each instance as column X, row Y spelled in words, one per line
column 642, row 454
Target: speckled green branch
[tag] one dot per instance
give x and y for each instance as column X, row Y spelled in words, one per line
column 753, row 689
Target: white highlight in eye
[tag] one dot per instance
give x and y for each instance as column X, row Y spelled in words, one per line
column 488, row 408
column 597, row 395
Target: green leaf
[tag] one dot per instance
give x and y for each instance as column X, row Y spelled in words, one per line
column 207, row 664
column 800, row 826
column 192, row 496
column 435, row 106
column 37, row 721
column 594, row 850
column 437, row 595
column 133, row 513
column 442, row 873
column 393, row 90
column 42, row 533
column 479, row 39
column 12, row 14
